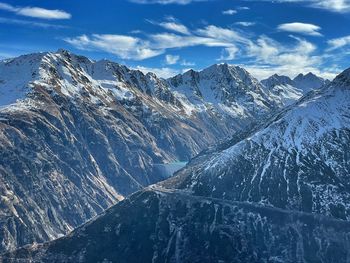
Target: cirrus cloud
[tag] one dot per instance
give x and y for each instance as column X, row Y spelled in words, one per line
column 125, row 47
column 339, row 6
column 340, row 42
column 36, row 12
column 261, row 54
column 229, row 12
column 171, row 60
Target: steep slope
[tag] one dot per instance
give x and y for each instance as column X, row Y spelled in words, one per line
column 286, row 91
column 77, row 135
column 283, row 89
column 279, row 195
column 299, row 161
column 225, row 89
column 158, row 226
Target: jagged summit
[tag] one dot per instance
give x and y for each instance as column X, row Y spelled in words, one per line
column 223, row 85
column 309, row 82
column 344, row 77
column 276, row 80
column 282, row 89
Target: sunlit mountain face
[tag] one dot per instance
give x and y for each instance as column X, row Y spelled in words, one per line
column 174, row 131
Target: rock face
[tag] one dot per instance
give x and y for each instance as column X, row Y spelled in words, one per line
column 309, row 82
column 277, row 193
column 76, row 135
column 286, row 91
column 298, row 161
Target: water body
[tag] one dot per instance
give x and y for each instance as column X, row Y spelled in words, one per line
column 168, row 169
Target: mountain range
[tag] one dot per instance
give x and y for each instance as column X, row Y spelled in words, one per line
column 77, row 136
column 277, row 193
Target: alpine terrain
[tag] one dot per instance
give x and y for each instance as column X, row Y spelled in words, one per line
column 276, row 193
column 77, row 136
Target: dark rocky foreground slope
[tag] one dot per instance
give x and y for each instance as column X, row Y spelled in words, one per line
column 279, row 195
column 172, row 226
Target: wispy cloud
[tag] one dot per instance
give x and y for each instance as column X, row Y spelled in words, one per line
column 36, row 12
column 176, row 27
column 160, row 72
column 270, row 56
column 171, row 60
column 187, row 63
column 243, row 8
column 171, row 24
column 135, row 48
column 340, row 42
column 340, row 6
column 244, row 23
column 125, row 47
column 229, row 12
column 262, row 54
column 229, row 53
column 301, row 28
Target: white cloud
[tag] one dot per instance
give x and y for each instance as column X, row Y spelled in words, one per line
column 263, row 55
column 125, row 47
column 171, row 60
column 167, row 41
column 160, row 72
column 270, row 56
column 243, row 8
column 264, row 49
column 229, row 12
column 339, row 42
column 130, row 47
column 243, row 23
column 36, row 12
column 333, row 5
column 301, row 28
column 340, row 6
column 176, row 27
column 229, row 53
column 222, row 34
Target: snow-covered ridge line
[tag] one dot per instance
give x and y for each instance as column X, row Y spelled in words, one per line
column 230, row 89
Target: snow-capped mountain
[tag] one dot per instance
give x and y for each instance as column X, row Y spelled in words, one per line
column 78, row 135
column 277, row 193
column 282, row 89
column 224, row 86
column 297, row 162
column 309, row 82
column 286, row 91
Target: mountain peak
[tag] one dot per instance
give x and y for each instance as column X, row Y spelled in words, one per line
column 343, row 78
column 309, row 82
column 277, row 80
column 63, row 51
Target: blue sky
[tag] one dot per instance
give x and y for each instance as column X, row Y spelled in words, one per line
column 170, row 36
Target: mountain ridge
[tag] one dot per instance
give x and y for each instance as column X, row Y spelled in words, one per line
column 81, row 135
column 267, row 197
